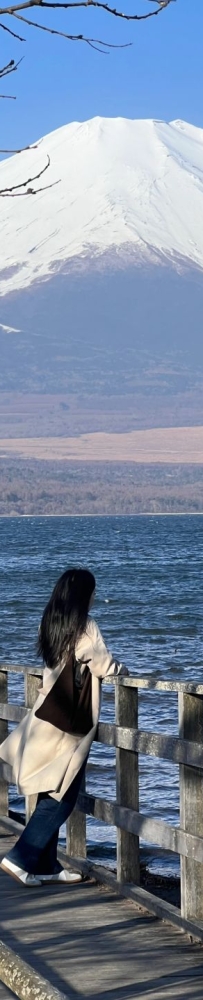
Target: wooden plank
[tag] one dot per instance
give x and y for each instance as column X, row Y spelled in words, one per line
column 191, row 807
column 5, row 775
column 141, row 897
column 13, row 668
column 127, row 787
column 150, row 684
column 12, row 713
column 11, row 826
column 76, row 831
column 3, row 735
column 154, row 831
column 147, row 683
column 31, row 682
column 178, row 751
column 98, row 943
column 23, row 980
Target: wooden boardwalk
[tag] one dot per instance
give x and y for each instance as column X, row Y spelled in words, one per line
column 88, row 942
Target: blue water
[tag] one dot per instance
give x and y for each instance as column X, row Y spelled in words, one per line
column 149, row 573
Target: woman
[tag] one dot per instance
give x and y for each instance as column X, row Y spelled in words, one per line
column 47, row 752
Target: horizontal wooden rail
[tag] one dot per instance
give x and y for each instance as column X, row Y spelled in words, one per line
column 152, row 684
column 151, row 744
column 141, row 741
column 12, row 713
column 22, row 980
column 147, row 683
column 171, row 838
column 13, row 668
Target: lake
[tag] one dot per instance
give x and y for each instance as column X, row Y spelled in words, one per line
column 149, row 574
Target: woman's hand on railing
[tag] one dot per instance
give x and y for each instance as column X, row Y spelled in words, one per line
column 122, row 670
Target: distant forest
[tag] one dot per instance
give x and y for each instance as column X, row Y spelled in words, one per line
column 39, row 487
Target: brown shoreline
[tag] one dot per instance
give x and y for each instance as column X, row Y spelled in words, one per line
column 168, row 445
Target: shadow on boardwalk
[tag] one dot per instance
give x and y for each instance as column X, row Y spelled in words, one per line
column 90, row 943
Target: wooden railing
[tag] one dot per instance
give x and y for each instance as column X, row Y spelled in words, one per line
column 129, row 741
column 22, row 979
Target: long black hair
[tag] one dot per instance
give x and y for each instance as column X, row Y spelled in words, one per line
column 65, row 616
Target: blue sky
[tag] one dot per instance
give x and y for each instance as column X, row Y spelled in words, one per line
column 160, row 76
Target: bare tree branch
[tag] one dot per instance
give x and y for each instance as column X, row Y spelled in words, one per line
column 5, row 71
column 76, row 4
column 29, row 180
column 22, row 150
column 5, row 28
column 95, row 43
column 13, row 191
column 21, row 194
column 10, row 67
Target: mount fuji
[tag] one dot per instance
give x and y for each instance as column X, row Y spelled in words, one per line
column 132, row 187
column 101, row 274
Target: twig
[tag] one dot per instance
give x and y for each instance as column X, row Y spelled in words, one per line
column 29, row 180
column 22, row 150
column 87, row 3
column 4, row 28
column 93, row 42
column 21, row 194
column 5, row 71
column 9, row 68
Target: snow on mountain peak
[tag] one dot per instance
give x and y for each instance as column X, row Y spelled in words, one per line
column 114, row 184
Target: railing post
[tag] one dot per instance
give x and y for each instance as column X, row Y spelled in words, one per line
column 191, row 805
column 127, row 785
column 32, row 684
column 3, row 735
column 76, row 831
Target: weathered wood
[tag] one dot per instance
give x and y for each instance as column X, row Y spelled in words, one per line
column 10, row 826
column 22, row 980
column 191, row 807
column 13, row 713
column 127, row 787
column 148, row 683
column 3, row 735
column 135, row 740
column 31, row 693
column 151, row 744
column 154, row 831
column 151, row 684
column 141, row 897
column 92, row 943
column 5, row 775
column 13, row 668
column 76, row 831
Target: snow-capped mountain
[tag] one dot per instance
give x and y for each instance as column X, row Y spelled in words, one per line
column 133, row 189
column 101, row 279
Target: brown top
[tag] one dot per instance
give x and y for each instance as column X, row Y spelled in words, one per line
column 68, row 705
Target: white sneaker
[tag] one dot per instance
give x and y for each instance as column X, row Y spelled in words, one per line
column 65, row 876
column 24, row 877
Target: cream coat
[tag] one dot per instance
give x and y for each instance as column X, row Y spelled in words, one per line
column 41, row 757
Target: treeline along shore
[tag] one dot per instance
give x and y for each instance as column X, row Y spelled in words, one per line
column 30, row 486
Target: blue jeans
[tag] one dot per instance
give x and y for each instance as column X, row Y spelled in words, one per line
column 36, row 849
